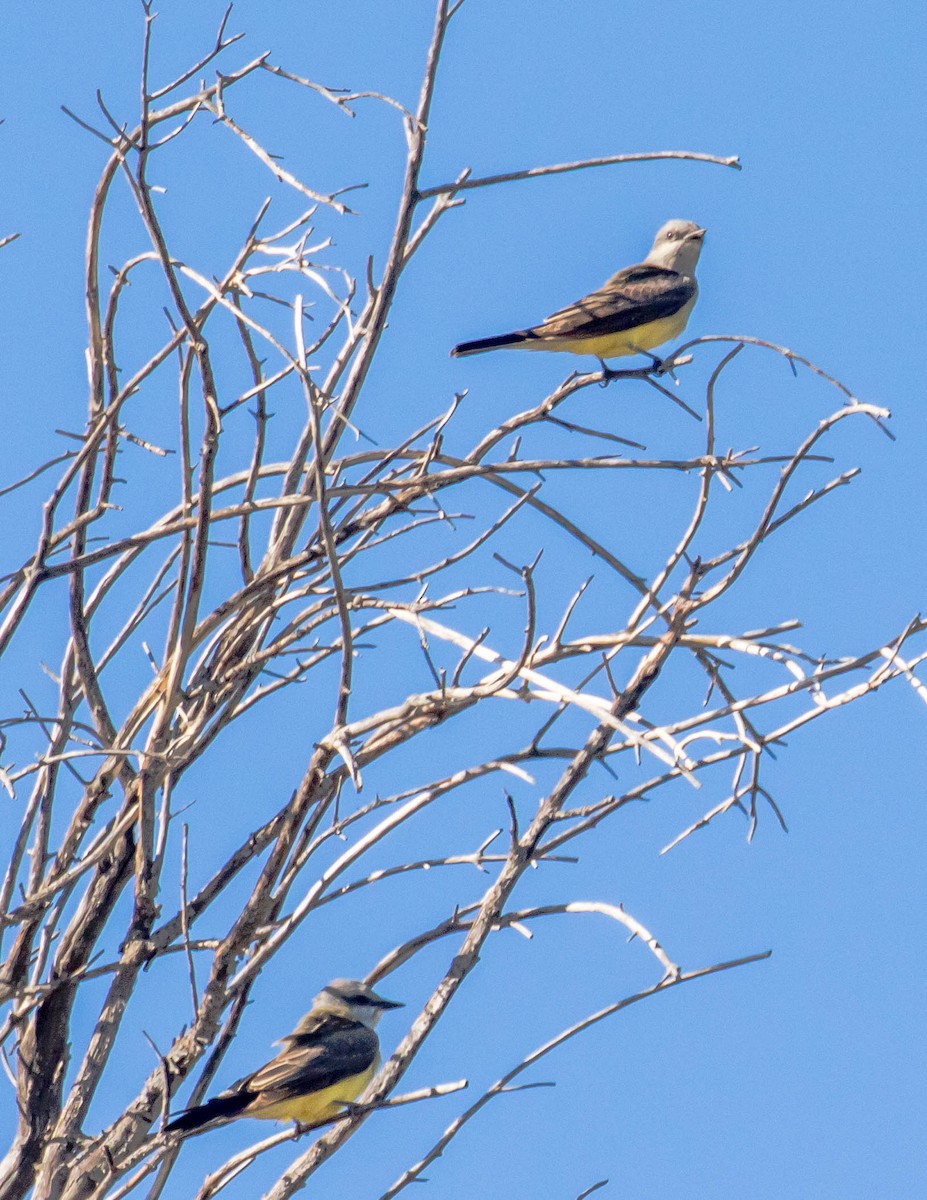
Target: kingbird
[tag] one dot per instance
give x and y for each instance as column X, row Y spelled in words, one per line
column 326, row 1062
column 637, row 309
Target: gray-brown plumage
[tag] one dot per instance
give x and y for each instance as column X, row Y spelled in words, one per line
column 638, row 308
column 325, row 1063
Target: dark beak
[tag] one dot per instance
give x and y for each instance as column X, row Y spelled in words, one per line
column 382, row 1002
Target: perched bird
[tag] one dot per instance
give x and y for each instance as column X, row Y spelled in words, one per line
column 326, row 1062
column 637, row 309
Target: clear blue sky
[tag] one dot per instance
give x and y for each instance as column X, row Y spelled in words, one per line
column 802, row 1077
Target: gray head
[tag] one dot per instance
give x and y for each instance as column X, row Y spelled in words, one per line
column 352, row 999
column 677, row 246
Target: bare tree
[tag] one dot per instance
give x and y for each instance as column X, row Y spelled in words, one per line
column 393, row 596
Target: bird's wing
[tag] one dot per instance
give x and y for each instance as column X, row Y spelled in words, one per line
column 632, row 297
column 310, row 1065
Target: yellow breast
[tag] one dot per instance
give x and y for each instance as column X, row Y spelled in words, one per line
column 317, row 1106
column 627, row 341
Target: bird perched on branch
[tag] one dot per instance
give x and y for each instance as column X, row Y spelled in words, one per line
column 637, row 309
column 325, row 1064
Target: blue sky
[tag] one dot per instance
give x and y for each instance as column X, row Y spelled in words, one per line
column 798, row 1077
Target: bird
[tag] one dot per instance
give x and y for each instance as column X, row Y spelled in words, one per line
column 638, row 308
column 324, row 1065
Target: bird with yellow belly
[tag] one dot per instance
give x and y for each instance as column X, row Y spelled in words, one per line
column 637, row 309
column 325, row 1064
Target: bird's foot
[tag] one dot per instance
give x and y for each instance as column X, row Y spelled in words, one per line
column 611, row 373
column 665, row 366
column 656, row 363
column 668, row 365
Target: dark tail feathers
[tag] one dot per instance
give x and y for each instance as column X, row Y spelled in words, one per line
column 220, row 1108
column 494, row 343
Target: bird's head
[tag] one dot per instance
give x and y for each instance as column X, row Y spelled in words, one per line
column 677, row 246
column 353, row 1000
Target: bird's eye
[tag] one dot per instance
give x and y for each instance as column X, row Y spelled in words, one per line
column 670, row 235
